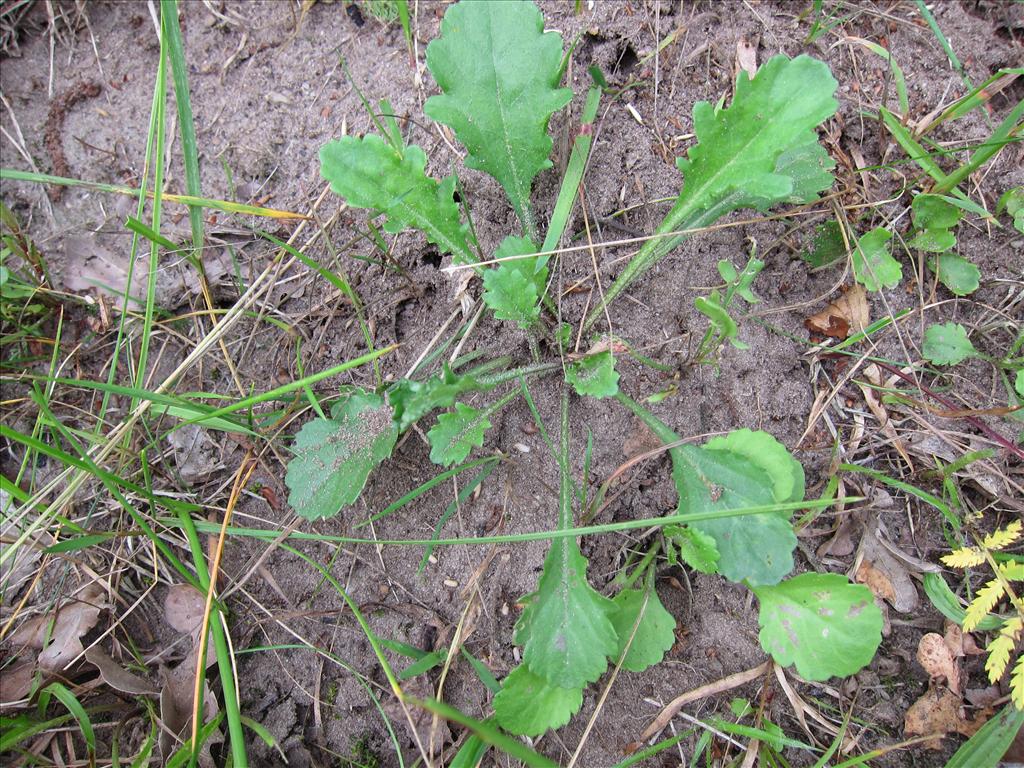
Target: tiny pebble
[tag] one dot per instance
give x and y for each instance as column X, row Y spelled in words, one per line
column 451, row 583
column 522, row 448
column 432, row 560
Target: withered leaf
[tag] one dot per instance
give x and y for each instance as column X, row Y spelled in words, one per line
column 937, row 713
column 933, row 654
column 848, row 312
column 184, row 607
column 116, row 676
column 60, row 636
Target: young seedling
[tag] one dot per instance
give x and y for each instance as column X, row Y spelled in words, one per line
column 715, row 307
column 499, row 74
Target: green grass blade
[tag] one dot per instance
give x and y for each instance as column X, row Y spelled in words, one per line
column 150, row 234
column 487, row 733
column 924, row 496
column 515, row 538
column 460, row 499
column 190, row 151
column 415, row 493
column 989, row 744
column 74, row 706
column 227, row 206
column 15, row 730
column 574, row 171
column 1006, row 133
column 897, row 73
column 934, row 26
column 285, row 389
column 158, row 128
column 403, row 16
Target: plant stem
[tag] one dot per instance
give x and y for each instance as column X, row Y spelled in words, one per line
column 976, row 422
column 537, row 369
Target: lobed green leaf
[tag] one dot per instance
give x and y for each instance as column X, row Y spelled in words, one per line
column 955, row 272
column 370, row 173
column 947, row 344
column 456, row 434
column 334, row 457
column 513, row 288
column 821, row 623
column 594, row 375
column 499, row 73
column 565, row 629
column 412, row 400
column 655, row 634
column 873, row 265
column 528, row 705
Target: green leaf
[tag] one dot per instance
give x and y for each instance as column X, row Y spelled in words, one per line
column 955, row 272
column 755, row 548
column 711, row 307
column 334, row 457
column 1018, row 382
column 412, row 400
column 758, row 548
column 1012, row 202
column 932, row 240
column 513, row 288
column 827, row 245
column 934, row 212
column 528, row 705
column 654, row 635
column 370, row 173
column 768, row 454
column 753, row 154
column 499, row 72
column 594, row 375
column 456, row 434
column 988, row 746
column 821, row 623
column 565, row 629
column 746, row 151
column 948, row 604
column 873, row 265
column 809, row 167
column 696, row 548
column 947, row 344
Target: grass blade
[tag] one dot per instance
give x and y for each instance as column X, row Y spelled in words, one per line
column 227, row 206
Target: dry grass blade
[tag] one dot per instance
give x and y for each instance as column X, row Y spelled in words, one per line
column 245, row 471
column 711, row 689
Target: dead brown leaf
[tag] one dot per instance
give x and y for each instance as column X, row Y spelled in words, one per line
column 876, row 580
column 116, row 676
column 746, row 56
column 937, row 713
column 898, row 587
column 958, row 643
column 16, row 682
column 184, row 607
column 60, row 636
column 848, row 312
column 933, row 654
column 873, row 399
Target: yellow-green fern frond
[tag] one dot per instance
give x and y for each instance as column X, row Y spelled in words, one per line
column 984, row 602
column 1017, row 684
column 1012, row 571
column 1000, row 648
column 1003, row 538
column 967, row 557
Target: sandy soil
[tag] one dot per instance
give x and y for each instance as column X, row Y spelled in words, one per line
column 269, row 88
